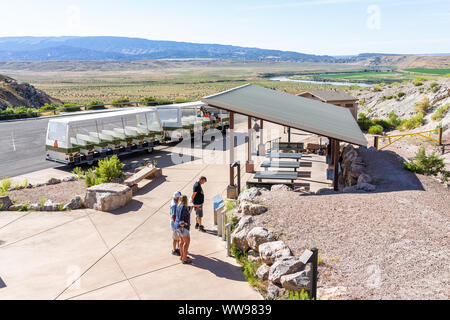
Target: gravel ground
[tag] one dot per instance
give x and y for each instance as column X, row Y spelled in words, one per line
column 60, row 193
column 391, row 244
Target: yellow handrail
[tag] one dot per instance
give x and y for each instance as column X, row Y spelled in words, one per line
column 423, row 134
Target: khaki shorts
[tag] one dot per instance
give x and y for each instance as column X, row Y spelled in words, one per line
column 184, row 234
column 175, row 235
column 198, row 210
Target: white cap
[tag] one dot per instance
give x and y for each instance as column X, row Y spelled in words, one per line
column 177, row 194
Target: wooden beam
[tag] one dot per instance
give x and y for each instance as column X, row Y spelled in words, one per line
column 336, row 165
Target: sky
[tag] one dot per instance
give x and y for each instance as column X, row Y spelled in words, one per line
column 326, row 27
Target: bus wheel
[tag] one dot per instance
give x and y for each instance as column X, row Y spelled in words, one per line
column 90, row 163
column 150, row 150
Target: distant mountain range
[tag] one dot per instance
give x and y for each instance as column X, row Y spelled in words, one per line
column 120, row 48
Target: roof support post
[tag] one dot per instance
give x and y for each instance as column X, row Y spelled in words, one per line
column 336, row 164
column 249, row 166
column 261, row 147
column 232, row 190
column 289, row 135
column 231, row 148
column 250, row 140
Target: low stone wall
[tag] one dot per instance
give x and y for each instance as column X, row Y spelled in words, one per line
column 354, row 175
column 279, row 269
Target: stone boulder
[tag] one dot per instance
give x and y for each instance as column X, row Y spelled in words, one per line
column 280, row 187
column 107, row 196
column 251, row 209
column 253, row 256
column 5, row 202
column 366, row 187
column 297, row 281
column 258, row 236
column 15, row 207
column 324, row 191
column 249, row 195
column 34, row 207
column 274, row 292
column 270, row 251
column 285, row 266
column 53, row 181
column 239, row 235
column 49, row 205
column 351, row 189
column 69, row 179
column 263, row 272
column 74, row 203
column 364, row 178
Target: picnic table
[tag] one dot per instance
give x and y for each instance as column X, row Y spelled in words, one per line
column 280, row 164
column 284, row 155
column 276, row 175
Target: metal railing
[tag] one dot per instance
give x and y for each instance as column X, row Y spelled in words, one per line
column 81, row 107
column 389, row 140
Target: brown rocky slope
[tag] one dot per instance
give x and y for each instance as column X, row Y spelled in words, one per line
column 15, row 94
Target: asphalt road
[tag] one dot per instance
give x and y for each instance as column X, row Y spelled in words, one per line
column 23, row 147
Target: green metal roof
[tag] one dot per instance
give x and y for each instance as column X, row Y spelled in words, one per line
column 289, row 110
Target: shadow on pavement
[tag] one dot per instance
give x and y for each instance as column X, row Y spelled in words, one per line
column 220, row 268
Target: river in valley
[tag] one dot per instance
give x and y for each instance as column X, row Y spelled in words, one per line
column 333, row 83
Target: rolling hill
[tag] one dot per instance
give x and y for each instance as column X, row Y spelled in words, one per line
column 121, row 48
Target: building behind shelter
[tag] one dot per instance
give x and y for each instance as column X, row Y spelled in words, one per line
column 333, row 96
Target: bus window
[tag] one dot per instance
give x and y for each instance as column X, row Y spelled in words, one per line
column 57, row 131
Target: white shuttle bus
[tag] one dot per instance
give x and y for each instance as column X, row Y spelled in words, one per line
column 86, row 138
column 176, row 117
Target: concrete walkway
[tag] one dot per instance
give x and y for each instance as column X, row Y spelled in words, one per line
column 85, row 254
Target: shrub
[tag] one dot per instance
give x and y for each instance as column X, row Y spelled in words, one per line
column 412, row 123
column 418, row 81
column 394, row 121
column 377, row 129
column 78, row 172
column 121, row 102
column 364, row 122
column 109, row 169
column 230, row 205
column 401, row 94
column 5, row 184
column 434, row 86
column 422, row 106
column 440, row 112
column 95, row 105
column 377, row 87
column 47, row 107
column 70, row 107
column 91, row 178
column 430, row 165
column 148, row 101
column 295, row 295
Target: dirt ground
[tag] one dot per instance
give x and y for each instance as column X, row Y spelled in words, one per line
column 390, row 244
column 59, row 193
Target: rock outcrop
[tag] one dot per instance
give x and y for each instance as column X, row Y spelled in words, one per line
column 285, row 266
column 15, row 94
column 258, row 236
column 107, row 196
column 270, row 251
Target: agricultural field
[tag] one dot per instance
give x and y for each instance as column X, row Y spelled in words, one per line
column 441, row 72
column 358, row 76
column 82, row 82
